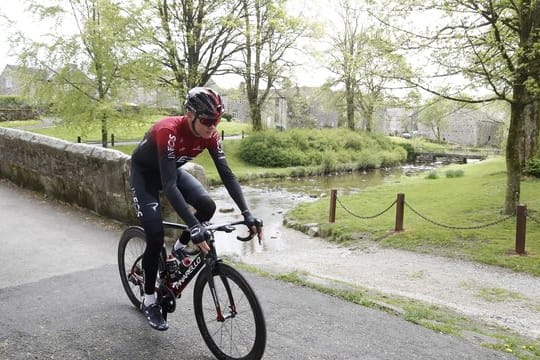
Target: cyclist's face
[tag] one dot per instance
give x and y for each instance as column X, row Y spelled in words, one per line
column 206, row 127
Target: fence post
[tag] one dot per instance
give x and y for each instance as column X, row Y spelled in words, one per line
column 400, row 204
column 333, row 197
column 112, row 139
column 521, row 224
column 242, row 134
column 222, row 135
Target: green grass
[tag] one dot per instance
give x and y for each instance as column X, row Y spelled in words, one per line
column 472, row 200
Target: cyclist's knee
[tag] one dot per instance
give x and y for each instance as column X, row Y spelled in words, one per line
column 206, row 207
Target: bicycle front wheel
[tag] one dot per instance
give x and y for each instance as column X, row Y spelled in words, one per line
column 233, row 327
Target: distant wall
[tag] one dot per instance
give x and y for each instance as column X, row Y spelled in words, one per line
column 92, row 177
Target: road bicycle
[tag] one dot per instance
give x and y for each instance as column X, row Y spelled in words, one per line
column 228, row 313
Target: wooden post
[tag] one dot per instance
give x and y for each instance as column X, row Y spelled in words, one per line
column 222, row 135
column 112, row 139
column 521, row 225
column 400, row 205
column 333, row 198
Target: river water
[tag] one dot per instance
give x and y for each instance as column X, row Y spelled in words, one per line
column 271, row 199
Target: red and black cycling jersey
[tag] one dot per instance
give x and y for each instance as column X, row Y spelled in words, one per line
column 169, row 144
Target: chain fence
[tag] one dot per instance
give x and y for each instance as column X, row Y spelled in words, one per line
column 426, row 218
column 458, row 227
column 366, row 217
column 521, row 218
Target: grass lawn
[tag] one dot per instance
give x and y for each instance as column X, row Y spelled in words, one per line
column 473, row 201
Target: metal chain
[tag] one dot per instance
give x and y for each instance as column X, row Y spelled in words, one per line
column 366, row 217
column 458, row 227
column 533, row 218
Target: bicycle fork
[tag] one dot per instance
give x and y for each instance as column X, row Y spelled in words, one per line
column 232, row 306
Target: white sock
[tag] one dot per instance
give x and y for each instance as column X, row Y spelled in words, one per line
column 149, row 299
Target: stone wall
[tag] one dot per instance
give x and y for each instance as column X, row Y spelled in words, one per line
column 91, row 177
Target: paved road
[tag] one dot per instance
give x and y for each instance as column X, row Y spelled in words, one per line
column 61, row 298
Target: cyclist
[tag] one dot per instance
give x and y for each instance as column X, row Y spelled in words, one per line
column 156, row 165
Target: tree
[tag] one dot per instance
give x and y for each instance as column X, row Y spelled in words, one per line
column 484, row 44
column 364, row 60
column 191, row 41
column 268, row 34
column 84, row 69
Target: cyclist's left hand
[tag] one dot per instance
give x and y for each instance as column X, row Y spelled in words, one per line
column 255, row 225
column 204, row 247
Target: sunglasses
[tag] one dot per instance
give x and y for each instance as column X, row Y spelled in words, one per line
column 209, row 122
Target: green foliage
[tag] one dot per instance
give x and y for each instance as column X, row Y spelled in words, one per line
column 532, row 168
column 327, row 149
column 12, row 101
column 453, row 173
column 86, row 71
column 432, row 175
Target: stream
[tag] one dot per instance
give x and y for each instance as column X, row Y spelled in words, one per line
column 271, row 199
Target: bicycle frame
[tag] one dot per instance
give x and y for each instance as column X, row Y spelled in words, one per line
column 200, row 260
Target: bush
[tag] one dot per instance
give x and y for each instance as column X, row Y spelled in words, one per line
column 454, row 173
column 12, row 102
column 432, row 175
column 532, row 167
column 228, row 117
column 328, row 149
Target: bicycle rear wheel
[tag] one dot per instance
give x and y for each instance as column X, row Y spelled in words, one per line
column 237, row 329
column 130, row 250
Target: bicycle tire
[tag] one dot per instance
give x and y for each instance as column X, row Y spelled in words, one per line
column 242, row 334
column 130, row 249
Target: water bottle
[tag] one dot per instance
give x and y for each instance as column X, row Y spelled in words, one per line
column 184, row 264
column 172, row 266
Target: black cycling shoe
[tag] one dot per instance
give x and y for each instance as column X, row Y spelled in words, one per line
column 154, row 317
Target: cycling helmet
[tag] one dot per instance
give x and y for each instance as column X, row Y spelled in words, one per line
column 205, row 103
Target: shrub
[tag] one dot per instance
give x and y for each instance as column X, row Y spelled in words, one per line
column 432, row 175
column 228, row 117
column 532, row 167
column 328, row 149
column 454, row 173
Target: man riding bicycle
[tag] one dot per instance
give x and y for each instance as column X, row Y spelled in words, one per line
column 156, row 165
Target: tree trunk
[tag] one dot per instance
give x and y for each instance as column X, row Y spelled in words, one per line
column 104, row 132
column 531, row 117
column 256, row 118
column 349, row 98
column 513, row 151
column 255, row 113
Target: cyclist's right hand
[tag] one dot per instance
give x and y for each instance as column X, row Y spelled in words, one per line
column 198, row 237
